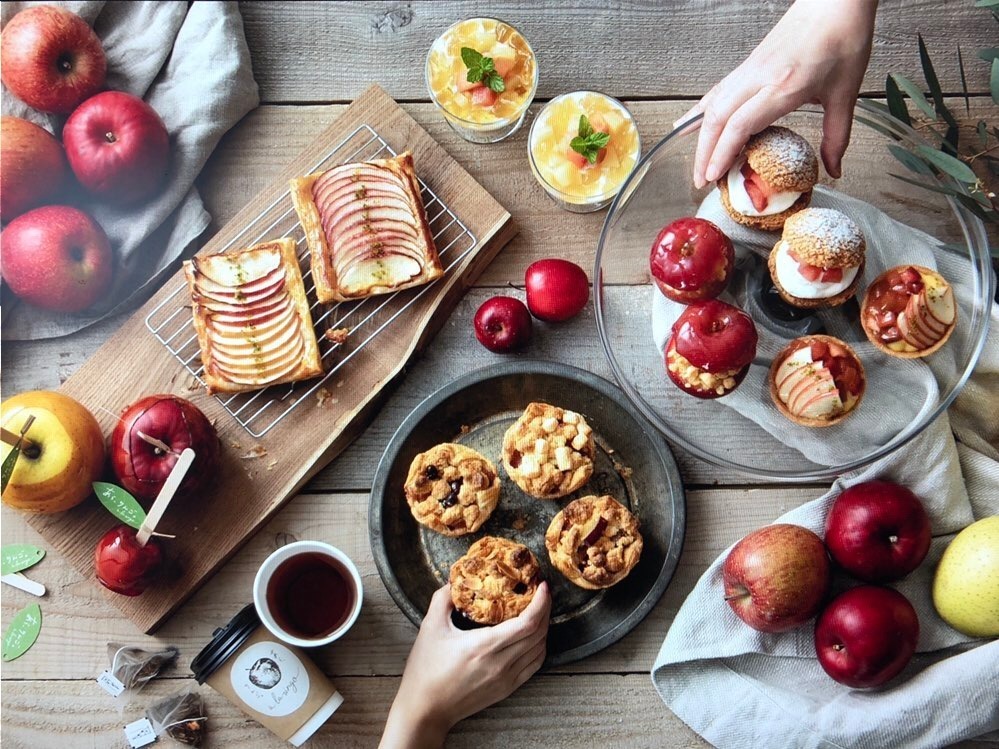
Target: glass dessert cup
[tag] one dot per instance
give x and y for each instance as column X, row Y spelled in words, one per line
column 742, row 432
column 588, row 188
column 514, row 60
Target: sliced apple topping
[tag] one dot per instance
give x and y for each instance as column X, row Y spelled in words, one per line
column 819, row 380
column 371, row 226
column 909, row 310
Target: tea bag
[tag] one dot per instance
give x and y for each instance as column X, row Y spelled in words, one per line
column 180, row 716
column 134, row 667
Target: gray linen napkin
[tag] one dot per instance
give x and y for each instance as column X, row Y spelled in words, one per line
column 740, row 688
column 192, row 65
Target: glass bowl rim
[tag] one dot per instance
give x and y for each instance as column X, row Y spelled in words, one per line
column 564, row 196
column 976, row 242
column 472, row 123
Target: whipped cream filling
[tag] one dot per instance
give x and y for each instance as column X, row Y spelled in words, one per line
column 740, row 200
column 795, row 284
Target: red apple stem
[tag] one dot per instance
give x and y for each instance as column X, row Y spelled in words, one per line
column 160, row 445
column 170, row 487
column 734, row 596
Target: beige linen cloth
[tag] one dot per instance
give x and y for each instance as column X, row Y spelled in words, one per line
column 190, row 62
column 740, row 688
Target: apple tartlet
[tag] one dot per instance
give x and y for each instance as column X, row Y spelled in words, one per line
column 495, row 580
column 452, row 489
column 252, row 318
column 594, row 542
column 817, row 381
column 366, row 229
column 549, row 451
column 909, row 311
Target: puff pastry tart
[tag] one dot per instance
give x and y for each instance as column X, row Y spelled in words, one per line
column 366, row 228
column 252, row 318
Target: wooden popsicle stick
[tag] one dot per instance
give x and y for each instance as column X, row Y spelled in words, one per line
column 19, row 581
column 14, row 439
column 170, row 487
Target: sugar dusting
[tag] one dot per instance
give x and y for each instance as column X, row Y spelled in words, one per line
column 827, row 227
column 792, row 151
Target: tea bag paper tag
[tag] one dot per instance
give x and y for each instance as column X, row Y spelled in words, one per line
column 140, row 733
column 110, row 684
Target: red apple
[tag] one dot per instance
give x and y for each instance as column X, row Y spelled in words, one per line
column 57, row 258
column 716, row 339
column 122, row 565
column 866, row 636
column 32, row 167
column 503, row 324
column 51, row 59
column 691, row 260
column 118, row 147
column 556, row 289
column 776, row 578
column 878, row 531
column 142, row 466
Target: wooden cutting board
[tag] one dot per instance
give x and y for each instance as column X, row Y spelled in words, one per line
column 258, row 475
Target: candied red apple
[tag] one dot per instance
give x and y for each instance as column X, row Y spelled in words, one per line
column 817, row 381
column 712, row 346
column 691, row 260
column 122, row 565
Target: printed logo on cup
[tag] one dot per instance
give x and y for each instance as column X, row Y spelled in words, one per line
column 270, row 679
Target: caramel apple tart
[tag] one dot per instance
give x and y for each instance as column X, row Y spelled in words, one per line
column 594, row 542
column 495, row 580
column 909, row 311
column 452, row 489
column 252, row 318
column 366, row 229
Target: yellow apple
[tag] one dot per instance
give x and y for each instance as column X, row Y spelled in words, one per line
column 65, row 457
column 966, row 586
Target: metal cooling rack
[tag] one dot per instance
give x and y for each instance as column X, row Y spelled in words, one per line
column 260, row 411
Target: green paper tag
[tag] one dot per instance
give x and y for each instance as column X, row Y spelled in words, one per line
column 17, row 557
column 120, row 503
column 22, row 632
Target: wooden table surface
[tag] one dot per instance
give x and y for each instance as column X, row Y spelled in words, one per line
column 310, row 59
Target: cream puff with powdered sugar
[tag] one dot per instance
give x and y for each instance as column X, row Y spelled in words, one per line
column 771, row 180
column 819, row 259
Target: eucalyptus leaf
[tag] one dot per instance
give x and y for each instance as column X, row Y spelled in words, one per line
column 989, row 53
column 896, row 103
column 22, row 632
column 987, row 3
column 994, row 80
column 964, row 82
column 983, row 133
column 912, row 90
column 934, row 85
column 949, row 191
column 120, row 503
column 912, row 162
column 879, row 127
column 18, row 557
column 7, row 469
column 948, row 164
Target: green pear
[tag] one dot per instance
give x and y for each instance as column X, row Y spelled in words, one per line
column 966, row 586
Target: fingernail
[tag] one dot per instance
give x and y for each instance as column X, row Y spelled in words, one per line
column 711, row 173
column 698, row 182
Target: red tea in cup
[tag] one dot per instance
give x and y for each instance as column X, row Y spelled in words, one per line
column 311, row 595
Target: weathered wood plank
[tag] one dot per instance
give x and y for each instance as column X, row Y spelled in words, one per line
column 617, row 710
column 331, row 51
column 79, row 622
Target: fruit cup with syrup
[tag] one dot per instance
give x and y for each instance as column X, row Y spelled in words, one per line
column 582, row 147
column 482, row 75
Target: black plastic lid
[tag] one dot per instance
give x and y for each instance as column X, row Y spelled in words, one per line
column 225, row 641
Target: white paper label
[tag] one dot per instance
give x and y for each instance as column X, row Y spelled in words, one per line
column 110, row 684
column 270, row 679
column 140, row 733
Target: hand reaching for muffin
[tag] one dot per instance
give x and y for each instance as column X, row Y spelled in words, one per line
column 452, row 673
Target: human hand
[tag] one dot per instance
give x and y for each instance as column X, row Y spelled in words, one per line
column 817, row 53
column 451, row 674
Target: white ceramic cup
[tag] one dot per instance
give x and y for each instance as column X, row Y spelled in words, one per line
column 269, row 567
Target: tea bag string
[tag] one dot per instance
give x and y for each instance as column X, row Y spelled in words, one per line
column 114, row 661
column 184, row 720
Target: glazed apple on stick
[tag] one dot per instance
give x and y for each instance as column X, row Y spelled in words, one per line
column 128, row 561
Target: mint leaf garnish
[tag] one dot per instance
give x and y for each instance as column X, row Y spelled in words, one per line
column 482, row 69
column 588, row 141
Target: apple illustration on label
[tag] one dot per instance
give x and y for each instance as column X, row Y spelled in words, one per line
column 57, row 258
column 51, row 59
column 503, row 324
column 966, row 585
column 149, row 436
column 878, row 531
column 556, row 289
column 691, row 260
column 34, row 167
column 866, row 636
column 776, row 577
column 122, row 565
column 64, row 454
column 118, row 147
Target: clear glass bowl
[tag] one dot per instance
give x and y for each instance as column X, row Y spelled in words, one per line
column 743, row 431
column 567, row 201
column 482, row 132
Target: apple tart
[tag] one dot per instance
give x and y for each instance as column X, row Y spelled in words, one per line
column 366, row 228
column 252, row 318
column 594, row 542
column 909, row 311
column 495, row 580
